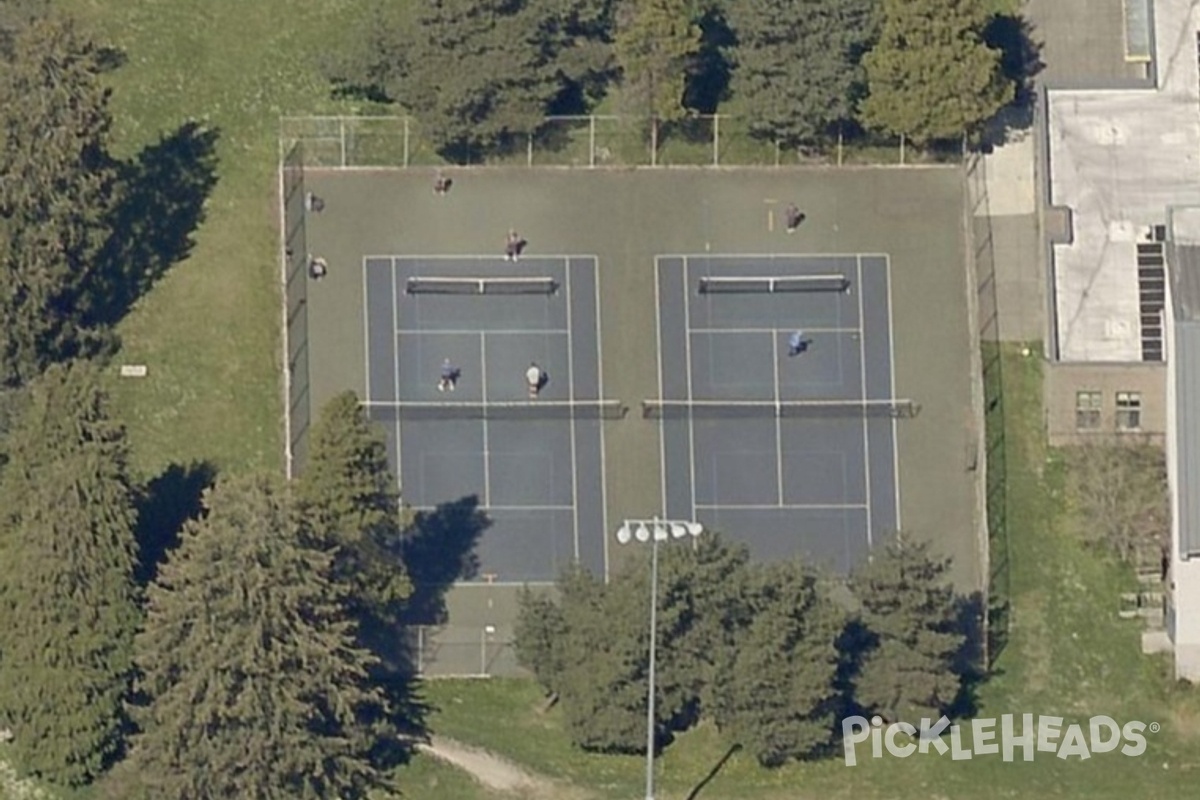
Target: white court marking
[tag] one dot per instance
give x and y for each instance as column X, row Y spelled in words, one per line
column 862, row 355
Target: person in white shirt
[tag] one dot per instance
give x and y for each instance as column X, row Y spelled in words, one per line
column 535, row 379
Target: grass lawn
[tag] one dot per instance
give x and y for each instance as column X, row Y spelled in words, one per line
column 1068, row 655
column 209, row 332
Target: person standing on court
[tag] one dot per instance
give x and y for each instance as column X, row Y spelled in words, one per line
column 792, row 217
column 797, row 344
column 535, row 379
column 450, row 373
column 512, row 249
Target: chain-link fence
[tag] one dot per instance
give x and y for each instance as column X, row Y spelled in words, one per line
column 463, row 651
column 597, row 141
column 995, row 537
column 295, row 248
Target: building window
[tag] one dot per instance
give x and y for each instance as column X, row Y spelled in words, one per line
column 1129, row 411
column 1087, row 410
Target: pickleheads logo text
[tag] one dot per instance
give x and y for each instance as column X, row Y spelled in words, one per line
column 1008, row 737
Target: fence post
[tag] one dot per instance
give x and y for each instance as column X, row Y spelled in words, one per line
column 777, row 152
column 529, row 151
column 406, row 142
column 342, row 133
column 716, row 140
column 420, row 649
column 654, row 140
column 902, row 149
column 839, row 149
column 591, row 140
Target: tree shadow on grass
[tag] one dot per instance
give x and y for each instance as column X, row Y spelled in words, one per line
column 160, row 203
column 163, row 506
column 970, row 662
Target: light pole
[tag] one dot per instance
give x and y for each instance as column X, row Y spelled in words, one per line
column 654, row 531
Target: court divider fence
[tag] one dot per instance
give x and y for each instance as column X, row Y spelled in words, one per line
column 596, row 141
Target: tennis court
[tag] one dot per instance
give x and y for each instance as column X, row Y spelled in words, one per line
column 793, row 453
column 535, row 463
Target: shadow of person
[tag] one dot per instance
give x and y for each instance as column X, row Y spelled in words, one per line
column 543, row 379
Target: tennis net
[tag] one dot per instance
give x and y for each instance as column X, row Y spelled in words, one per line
column 494, row 285
column 787, row 409
column 518, row 410
column 717, row 284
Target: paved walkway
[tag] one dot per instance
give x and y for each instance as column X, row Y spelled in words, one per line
column 1008, row 257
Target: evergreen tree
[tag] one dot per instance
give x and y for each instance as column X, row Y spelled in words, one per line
column 539, row 635
column 252, row 684
column 703, row 605
column 910, row 612
column 931, row 76
column 480, row 75
column 55, row 197
column 602, row 684
column 656, row 41
column 796, row 64
column 350, row 506
column 776, row 689
column 67, row 593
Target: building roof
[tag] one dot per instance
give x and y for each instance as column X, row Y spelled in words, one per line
column 1118, row 159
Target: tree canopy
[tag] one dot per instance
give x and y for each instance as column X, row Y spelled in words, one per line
column 777, row 694
column 55, row 199
column 252, row 684
column 910, row 613
column 797, row 69
column 931, row 76
column 480, row 75
column 655, row 42
column 67, row 592
column 350, row 505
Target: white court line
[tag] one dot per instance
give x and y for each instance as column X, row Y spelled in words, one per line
column 772, row 256
column 481, row 257
column 687, row 342
column 502, row 508
column 807, row 329
column 396, row 380
column 367, row 338
column 662, row 431
column 600, row 390
column 887, row 271
column 487, row 454
column 571, row 396
column 862, row 354
column 476, row 331
column 783, row 506
column 778, row 421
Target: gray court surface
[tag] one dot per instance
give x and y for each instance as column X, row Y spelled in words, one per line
column 540, row 480
column 822, row 487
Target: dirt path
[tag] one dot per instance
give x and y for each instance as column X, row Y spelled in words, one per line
column 491, row 770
